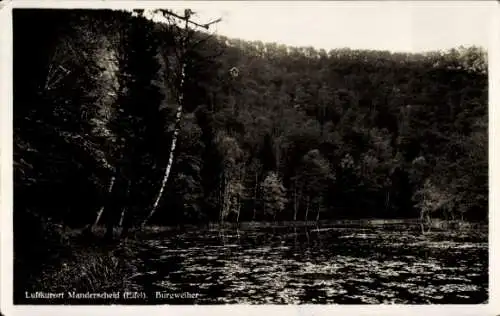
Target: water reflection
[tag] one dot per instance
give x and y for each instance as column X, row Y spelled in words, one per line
column 293, row 265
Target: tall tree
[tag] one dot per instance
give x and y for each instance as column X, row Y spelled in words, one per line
column 179, row 71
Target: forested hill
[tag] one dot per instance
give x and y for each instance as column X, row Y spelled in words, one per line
column 268, row 132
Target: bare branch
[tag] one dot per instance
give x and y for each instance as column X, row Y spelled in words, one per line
column 206, row 26
column 168, row 13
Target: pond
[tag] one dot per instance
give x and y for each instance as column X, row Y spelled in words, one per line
column 333, row 264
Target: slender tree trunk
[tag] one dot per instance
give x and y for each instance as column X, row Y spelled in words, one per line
column 113, row 203
column 277, row 155
column 239, row 209
column 122, row 216
column 387, row 199
column 220, row 205
column 241, row 176
column 429, row 222
column 422, row 221
column 221, row 208
column 225, row 199
column 295, row 235
column 221, row 199
column 307, row 208
column 110, row 187
column 255, row 196
column 317, row 214
column 295, row 201
column 178, row 119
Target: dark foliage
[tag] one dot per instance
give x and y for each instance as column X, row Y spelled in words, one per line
column 269, row 133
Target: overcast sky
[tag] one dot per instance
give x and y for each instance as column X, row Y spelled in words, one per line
column 395, row 26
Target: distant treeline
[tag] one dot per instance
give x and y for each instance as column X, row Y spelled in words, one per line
column 268, row 132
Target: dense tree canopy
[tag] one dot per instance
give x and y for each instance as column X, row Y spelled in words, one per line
column 269, row 132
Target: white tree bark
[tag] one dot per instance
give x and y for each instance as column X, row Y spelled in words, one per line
column 178, row 119
column 307, row 207
column 120, row 224
column 239, row 210
column 111, row 183
column 180, row 100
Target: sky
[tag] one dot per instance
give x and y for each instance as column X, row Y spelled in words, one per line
column 396, row 26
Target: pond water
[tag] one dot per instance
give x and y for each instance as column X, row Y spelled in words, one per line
column 376, row 264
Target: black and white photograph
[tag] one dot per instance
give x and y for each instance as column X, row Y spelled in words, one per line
column 263, row 153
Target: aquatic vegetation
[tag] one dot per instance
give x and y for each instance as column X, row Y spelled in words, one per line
column 334, row 265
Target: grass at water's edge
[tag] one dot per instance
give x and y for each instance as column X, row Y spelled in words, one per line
column 89, row 264
column 82, row 266
column 436, row 224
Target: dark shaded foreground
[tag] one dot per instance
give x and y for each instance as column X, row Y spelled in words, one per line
column 333, row 264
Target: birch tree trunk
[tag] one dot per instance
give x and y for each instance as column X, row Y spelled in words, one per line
column 122, row 216
column 223, row 191
column 178, row 119
column 110, row 187
column 307, row 208
column 227, row 199
column 239, row 210
column 422, row 221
